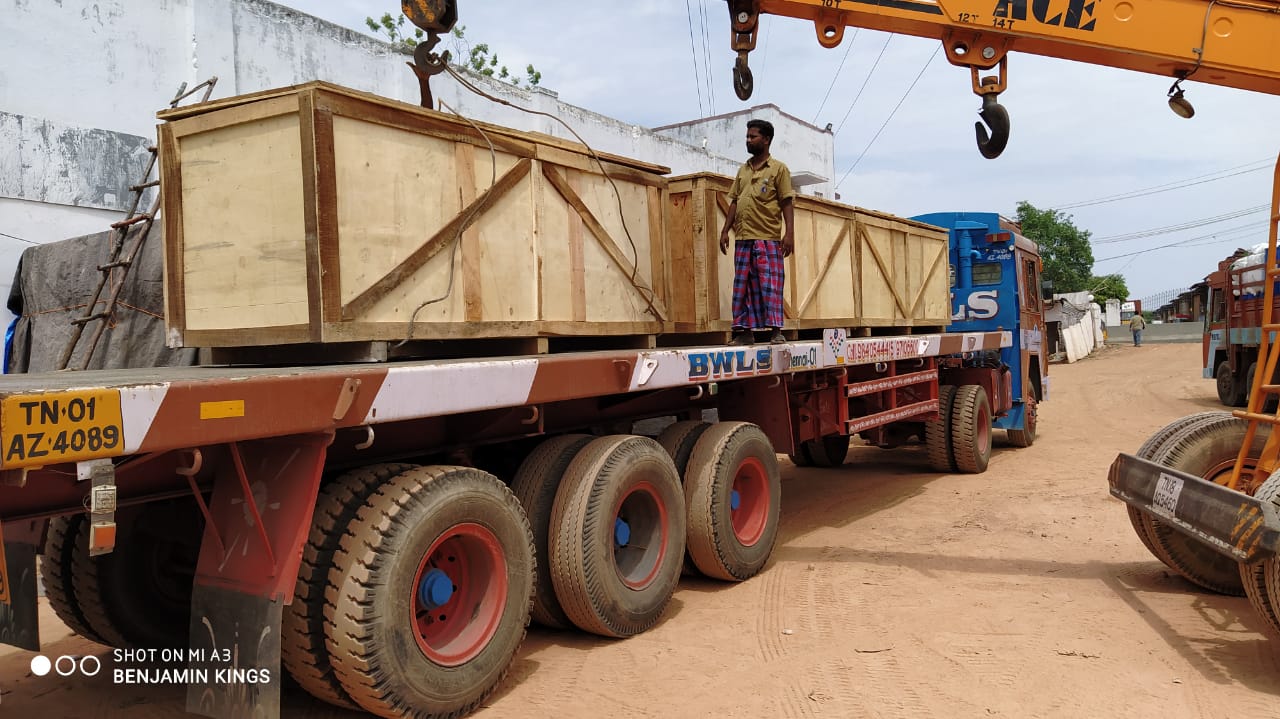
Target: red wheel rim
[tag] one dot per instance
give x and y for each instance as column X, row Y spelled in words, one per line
column 640, row 536
column 984, row 429
column 458, row 629
column 751, row 488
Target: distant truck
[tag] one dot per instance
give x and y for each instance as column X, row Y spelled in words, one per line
column 996, row 285
column 1233, row 325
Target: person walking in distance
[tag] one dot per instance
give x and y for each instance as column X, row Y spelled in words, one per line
column 761, row 215
column 1136, row 326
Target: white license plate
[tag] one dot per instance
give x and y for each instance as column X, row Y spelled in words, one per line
column 1168, row 489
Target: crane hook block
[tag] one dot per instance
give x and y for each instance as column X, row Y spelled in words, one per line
column 997, row 118
column 743, row 82
column 431, row 15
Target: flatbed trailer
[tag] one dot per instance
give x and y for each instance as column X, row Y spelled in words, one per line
column 334, row 517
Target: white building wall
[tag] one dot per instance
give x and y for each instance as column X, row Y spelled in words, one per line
column 84, row 78
column 805, row 148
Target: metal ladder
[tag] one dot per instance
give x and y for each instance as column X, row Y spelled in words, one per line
column 1264, row 390
column 134, row 228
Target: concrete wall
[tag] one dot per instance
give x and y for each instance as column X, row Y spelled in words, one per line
column 1080, row 324
column 84, row 78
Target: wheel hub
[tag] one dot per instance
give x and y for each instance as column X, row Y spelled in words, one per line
column 749, row 501
column 621, row 532
column 639, row 536
column 458, row 594
column 435, row 590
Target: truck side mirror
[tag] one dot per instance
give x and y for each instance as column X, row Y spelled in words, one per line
column 1046, row 289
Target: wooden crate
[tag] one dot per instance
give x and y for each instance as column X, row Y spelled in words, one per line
column 851, row 267
column 320, row 214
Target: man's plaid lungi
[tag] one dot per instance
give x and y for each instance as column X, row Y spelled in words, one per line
column 758, row 277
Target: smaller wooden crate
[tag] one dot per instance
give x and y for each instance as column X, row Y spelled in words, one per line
column 317, row 214
column 851, row 267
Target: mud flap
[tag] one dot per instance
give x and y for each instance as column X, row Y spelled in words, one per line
column 238, row 637
column 19, row 613
column 1230, row 522
column 256, row 522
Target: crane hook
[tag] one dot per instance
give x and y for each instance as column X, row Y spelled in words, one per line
column 994, row 114
column 743, row 83
column 435, row 17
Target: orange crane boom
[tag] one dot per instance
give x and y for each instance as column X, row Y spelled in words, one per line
column 1222, row 42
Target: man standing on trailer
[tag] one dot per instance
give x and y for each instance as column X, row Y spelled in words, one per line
column 760, row 200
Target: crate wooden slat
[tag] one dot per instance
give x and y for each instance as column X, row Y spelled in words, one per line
column 851, row 267
column 320, row 214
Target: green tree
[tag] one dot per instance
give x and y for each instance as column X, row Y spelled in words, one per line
column 1064, row 248
column 480, row 57
column 393, row 29
column 1108, row 287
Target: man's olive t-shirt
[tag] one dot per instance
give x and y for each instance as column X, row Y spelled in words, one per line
column 759, row 194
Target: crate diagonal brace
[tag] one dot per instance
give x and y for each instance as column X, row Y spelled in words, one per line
column 602, row 237
column 437, row 243
column 884, row 270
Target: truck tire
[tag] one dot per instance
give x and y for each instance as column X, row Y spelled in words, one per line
column 302, row 641
column 1261, row 579
column 732, row 493
column 971, row 429
column 535, row 485
column 827, row 452
column 56, row 561
column 1026, row 436
column 937, row 434
column 88, row 578
column 678, row 440
column 1268, row 402
column 1205, row 449
column 139, row 595
column 801, row 458
column 430, row 593
column 1231, row 390
column 1148, row 450
column 618, row 536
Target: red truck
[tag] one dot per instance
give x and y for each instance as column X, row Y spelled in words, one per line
column 1233, row 325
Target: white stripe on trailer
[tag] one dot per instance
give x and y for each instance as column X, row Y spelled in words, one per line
column 432, row 390
column 696, row 365
column 138, row 407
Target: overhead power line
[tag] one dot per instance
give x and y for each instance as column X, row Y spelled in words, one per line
column 764, row 59
column 1198, row 241
column 1169, row 186
column 891, row 114
column 865, row 80
column 836, row 76
column 1191, row 224
column 693, row 53
column 706, row 52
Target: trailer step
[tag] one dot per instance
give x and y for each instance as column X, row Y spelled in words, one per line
column 1228, row 521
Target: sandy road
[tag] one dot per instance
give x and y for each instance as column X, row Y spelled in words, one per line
column 895, row 592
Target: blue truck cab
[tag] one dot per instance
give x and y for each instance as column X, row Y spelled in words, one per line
column 996, row 285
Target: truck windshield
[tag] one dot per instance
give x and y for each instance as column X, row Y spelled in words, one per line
column 986, row 273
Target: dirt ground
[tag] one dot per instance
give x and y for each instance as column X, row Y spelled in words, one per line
column 894, row 592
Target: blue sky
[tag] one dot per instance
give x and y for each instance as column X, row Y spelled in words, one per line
column 1080, row 132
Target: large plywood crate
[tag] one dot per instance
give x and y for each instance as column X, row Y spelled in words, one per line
column 320, row 214
column 851, row 267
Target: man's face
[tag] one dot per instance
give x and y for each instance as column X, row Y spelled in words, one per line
column 756, row 144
